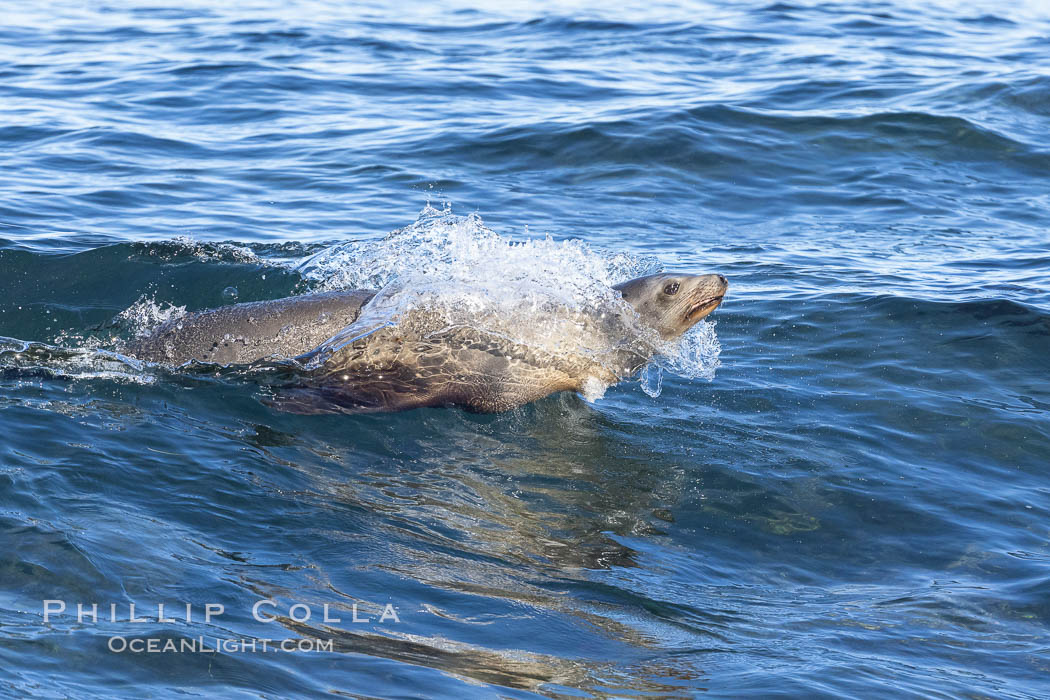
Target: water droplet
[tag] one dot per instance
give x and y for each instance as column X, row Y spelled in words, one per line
column 652, row 379
column 230, row 294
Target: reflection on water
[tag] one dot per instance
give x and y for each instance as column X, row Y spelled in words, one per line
column 512, row 512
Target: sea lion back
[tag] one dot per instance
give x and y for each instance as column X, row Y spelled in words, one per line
column 246, row 333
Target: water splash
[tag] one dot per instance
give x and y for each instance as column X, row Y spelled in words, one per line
column 694, row 355
column 593, row 389
column 146, row 315
column 95, row 354
column 651, row 379
column 28, row 360
column 552, row 296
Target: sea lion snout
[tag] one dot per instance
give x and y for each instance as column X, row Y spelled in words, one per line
column 707, row 295
column 708, row 285
column 712, row 286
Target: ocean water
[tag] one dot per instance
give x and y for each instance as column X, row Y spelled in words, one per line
column 838, row 489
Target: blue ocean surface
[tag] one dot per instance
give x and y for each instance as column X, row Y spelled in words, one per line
column 841, row 491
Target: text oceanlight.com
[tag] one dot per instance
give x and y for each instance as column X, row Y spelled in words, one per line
column 215, row 645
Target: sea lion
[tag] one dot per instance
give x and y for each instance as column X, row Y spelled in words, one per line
column 422, row 360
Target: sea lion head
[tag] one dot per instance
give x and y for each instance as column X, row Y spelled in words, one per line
column 672, row 303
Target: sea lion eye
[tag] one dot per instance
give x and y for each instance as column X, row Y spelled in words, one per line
column 671, row 289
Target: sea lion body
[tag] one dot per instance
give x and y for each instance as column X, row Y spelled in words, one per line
column 462, row 367
column 422, row 361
